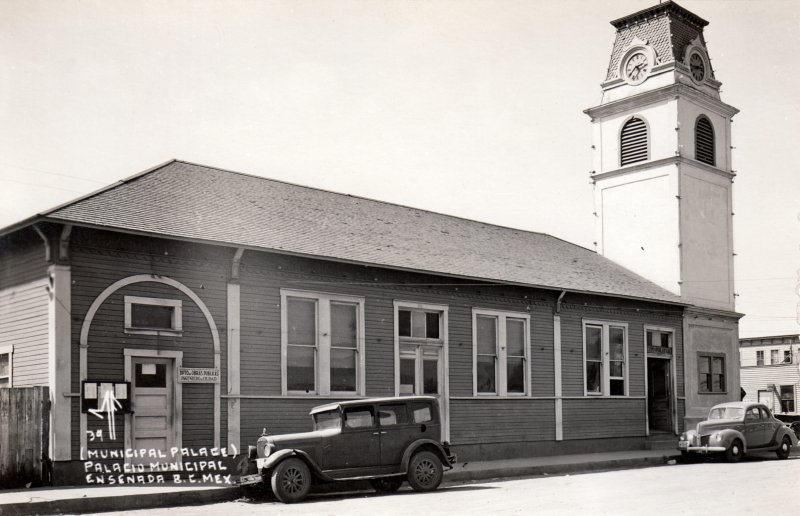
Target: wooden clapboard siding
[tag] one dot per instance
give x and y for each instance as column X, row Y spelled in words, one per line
column 501, row 421
column 22, row 259
column 596, row 418
column 24, row 325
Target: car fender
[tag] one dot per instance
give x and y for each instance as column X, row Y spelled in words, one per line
column 281, row 455
column 782, row 431
column 728, row 436
column 428, row 444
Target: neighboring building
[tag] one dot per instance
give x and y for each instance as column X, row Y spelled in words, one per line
column 233, row 303
column 771, row 371
column 663, row 180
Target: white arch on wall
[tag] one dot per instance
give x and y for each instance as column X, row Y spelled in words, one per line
column 145, row 278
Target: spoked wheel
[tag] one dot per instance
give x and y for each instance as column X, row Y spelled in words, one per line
column 291, row 480
column 734, row 452
column 785, row 448
column 386, row 485
column 424, row 471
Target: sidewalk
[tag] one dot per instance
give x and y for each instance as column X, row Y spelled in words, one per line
column 117, row 498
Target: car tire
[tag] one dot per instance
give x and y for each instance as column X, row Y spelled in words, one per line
column 424, row 471
column 291, row 480
column 387, row 484
column 734, row 452
column 785, row 448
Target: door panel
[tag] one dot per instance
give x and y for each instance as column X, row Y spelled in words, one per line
column 153, row 397
column 397, row 431
column 358, row 444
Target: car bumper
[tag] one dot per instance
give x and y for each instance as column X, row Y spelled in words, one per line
column 684, row 446
column 248, row 480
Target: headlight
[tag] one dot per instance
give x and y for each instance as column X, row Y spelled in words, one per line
column 683, row 436
column 716, row 436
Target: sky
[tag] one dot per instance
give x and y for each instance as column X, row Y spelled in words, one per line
column 466, row 107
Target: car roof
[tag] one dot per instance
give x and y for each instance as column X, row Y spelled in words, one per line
column 368, row 401
column 738, row 404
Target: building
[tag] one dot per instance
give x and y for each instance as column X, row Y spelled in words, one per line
column 214, row 304
column 770, row 373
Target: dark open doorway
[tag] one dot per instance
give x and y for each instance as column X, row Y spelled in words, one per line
column 659, row 387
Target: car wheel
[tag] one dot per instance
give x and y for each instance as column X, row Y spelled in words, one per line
column 386, row 485
column 734, row 452
column 424, row 471
column 785, row 448
column 291, row 480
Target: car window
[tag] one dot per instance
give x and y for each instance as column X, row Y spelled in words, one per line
column 392, row 415
column 359, row 417
column 752, row 414
column 326, row 420
column 422, row 412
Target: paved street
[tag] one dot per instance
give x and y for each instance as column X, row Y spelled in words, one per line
column 753, row 486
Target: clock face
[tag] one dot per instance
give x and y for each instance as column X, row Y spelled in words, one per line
column 697, row 67
column 637, row 66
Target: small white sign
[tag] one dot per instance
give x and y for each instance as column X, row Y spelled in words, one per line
column 198, row 375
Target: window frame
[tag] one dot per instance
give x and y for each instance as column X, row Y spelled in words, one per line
column 177, row 316
column 605, row 378
column 646, row 140
column 501, row 353
column 712, row 355
column 759, row 357
column 713, row 140
column 323, row 346
column 8, row 350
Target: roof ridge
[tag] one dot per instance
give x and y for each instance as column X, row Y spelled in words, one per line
column 263, row 178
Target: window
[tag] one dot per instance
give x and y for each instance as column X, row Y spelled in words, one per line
column 153, row 316
column 359, row 417
column 704, row 141
column 787, row 398
column 659, row 338
column 6, row 366
column 322, row 343
column 418, row 324
column 787, row 356
column 501, row 343
column 420, row 349
column 390, row 415
column 633, row 143
column 759, row 357
column 774, row 356
column 711, row 371
column 605, row 352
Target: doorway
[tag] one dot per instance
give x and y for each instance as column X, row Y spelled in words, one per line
column 659, row 399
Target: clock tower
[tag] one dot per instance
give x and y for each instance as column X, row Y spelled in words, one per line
column 662, row 178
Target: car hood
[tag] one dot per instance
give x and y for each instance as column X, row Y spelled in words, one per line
column 708, row 427
column 282, row 441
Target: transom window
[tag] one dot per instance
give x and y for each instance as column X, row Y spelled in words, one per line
column 711, row 371
column 605, row 355
column 634, row 145
column 322, row 343
column 704, row 141
column 419, row 324
column 153, row 316
column 501, row 359
column 6, row 355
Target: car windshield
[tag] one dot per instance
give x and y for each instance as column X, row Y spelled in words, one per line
column 726, row 413
column 326, row 420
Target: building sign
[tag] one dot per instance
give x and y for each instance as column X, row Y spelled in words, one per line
column 659, row 351
column 198, row 375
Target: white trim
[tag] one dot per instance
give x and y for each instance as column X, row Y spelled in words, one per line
column 176, row 328
column 177, row 392
column 672, row 371
column 323, row 342
column 234, row 364
column 59, row 377
column 501, row 353
column 605, row 378
column 9, row 350
column 559, row 405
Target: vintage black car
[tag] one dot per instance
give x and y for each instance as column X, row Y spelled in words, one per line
column 383, row 440
column 736, row 428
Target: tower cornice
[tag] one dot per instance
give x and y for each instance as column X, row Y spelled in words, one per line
column 658, row 10
column 658, row 95
column 676, row 160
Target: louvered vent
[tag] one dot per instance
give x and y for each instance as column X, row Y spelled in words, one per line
column 633, row 144
column 704, row 141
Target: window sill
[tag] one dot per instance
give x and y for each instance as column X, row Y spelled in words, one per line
column 154, row 331
column 715, row 393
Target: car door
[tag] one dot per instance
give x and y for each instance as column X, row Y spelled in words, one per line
column 752, row 427
column 357, row 446
column 397, row 431
column 770, row 425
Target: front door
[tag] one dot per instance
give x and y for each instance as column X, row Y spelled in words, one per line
column 153, row 397
column 422, row 373
column 659, row 402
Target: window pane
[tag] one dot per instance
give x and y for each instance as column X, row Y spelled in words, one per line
column 487, row 335
column 719, row 383
column 418, row 324
column 392, row 415
column 407, row 375
column 302, row 320
column 592, row 376
column 515, row 368
column 593, row 345
column 718, row 365
column 486, row 374
column 404, row 323
column 358, row 417
column 430, row 377
column 650, row 337
column 702, row 365
column 666, row 340
column 773, row 355
column 151, row 316
column 343, row 325
column 343, row 370
column 300, row 368
column 4, row 364
column 515, row 337
column 4, row 382
column 616, row 368
column 616, row 336
column 617, row 387
column 432, row 325
column 150, row 375
column 422, row 412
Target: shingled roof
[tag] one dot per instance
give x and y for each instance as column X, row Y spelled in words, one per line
column 189, row 201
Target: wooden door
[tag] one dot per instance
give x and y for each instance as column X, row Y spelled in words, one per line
column 153, row 396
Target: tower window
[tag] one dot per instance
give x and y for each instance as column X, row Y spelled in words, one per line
column 633, row 142
column 704, row 141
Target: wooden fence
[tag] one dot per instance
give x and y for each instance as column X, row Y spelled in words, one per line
column 24, row 437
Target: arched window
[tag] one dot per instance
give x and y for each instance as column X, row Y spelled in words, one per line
column 633, row 141
column 704, row 141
